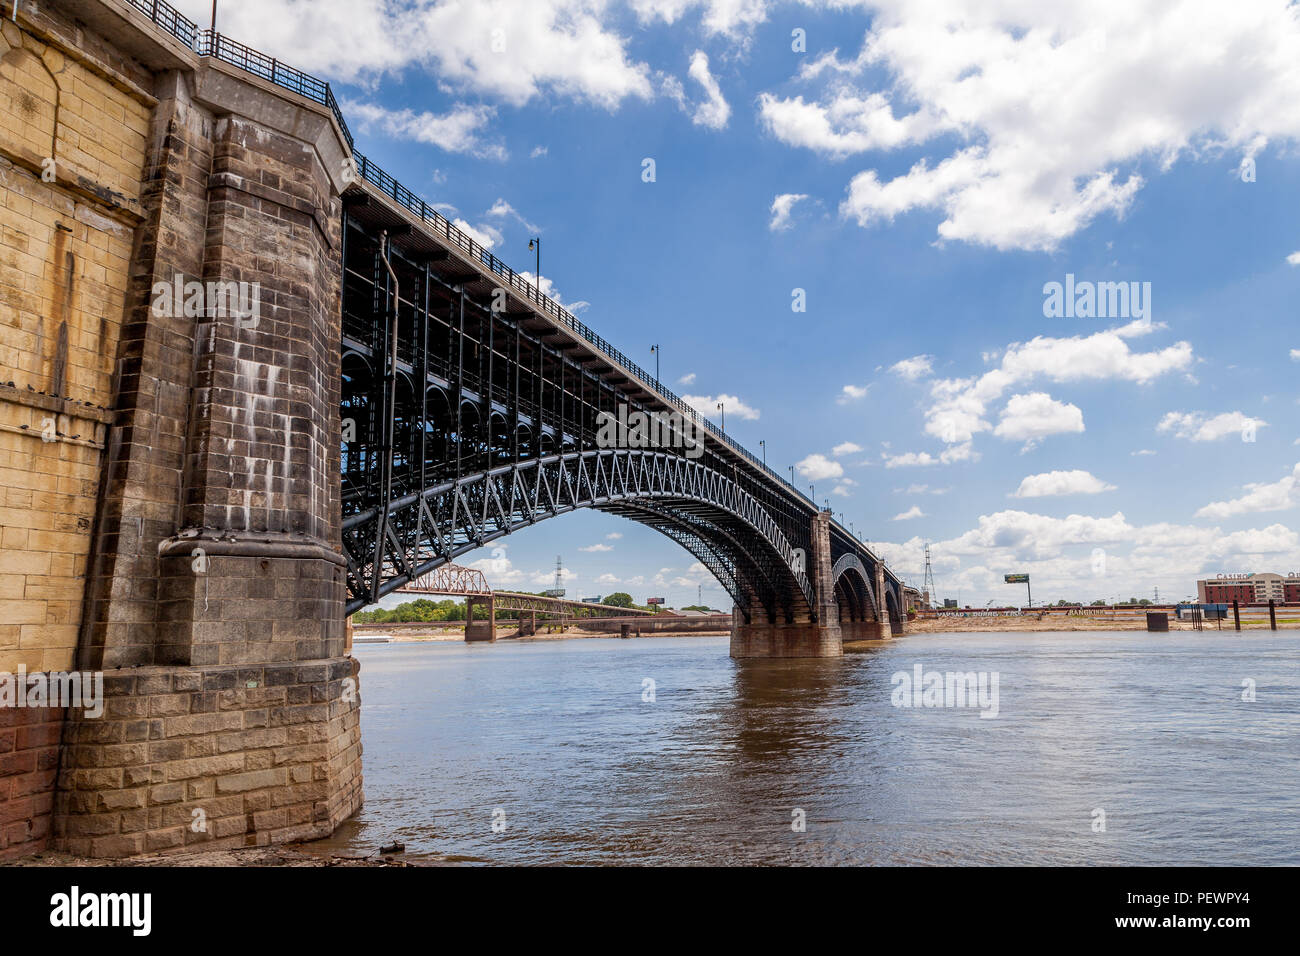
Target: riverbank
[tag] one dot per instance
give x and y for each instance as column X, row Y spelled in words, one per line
column 946, row 625
column 1030, row 624
column 419, row 635
column 288, row 856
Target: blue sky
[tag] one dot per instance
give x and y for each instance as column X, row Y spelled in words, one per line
column 936, row 172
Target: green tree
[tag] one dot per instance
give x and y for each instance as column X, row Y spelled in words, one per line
column 619, row 599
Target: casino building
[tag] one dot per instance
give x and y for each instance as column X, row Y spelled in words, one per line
column 1258, row 588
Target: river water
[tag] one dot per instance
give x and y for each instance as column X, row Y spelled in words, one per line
column 562, row 752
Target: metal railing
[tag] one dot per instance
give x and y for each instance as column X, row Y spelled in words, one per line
column 214, row 44
column 169, row 18
column 389, row 186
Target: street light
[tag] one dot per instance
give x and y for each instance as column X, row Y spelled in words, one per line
column 792, row 474
column 654, row 350
column 722, row 408
column 763, row 445
column 537, row 244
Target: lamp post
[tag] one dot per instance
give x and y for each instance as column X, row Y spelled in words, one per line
column 723, row 408
column 763, row 445
column 792, row 474
column 654, row 349
column 536, row 244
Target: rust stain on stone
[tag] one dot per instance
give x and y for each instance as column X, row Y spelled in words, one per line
column 62, row 295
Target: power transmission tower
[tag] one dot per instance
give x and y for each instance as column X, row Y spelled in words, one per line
column 559, row 573
column 927, row 583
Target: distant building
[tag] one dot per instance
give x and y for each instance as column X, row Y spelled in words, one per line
column 1257, row 588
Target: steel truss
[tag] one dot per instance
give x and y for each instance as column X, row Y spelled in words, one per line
column 467, row 415
column 720, row 522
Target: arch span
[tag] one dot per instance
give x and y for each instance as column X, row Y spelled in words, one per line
column 850, row 576
column 705, row 511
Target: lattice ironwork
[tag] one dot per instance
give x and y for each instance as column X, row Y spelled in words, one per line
column 683, row 498
column 449, row 579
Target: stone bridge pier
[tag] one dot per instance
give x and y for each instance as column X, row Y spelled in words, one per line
column 484, row 629
column 815, row 634
column 214, row 580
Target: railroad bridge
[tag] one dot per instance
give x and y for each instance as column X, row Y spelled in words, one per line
column 200, row 484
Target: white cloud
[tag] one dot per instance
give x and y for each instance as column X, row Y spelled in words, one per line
column 1295, row 355
column 1055, row 483
column 957, row 413
column 1042, row 117
column 1294, row 258
column 1195, row 426
column 502, row 210
column 613, row 535
column 844, row 487
column 851, row 393
column 1058, row 553
column 708, row 405
column 1034, row 416
column 817, row 467
column 713, row 112
column 592, row 548
column 457, row 132
column 782, row 206
column 922, row 490
column 732, row 18
column 918, row 366
column 1260, row 496
column 687, row 379
column 845, row 448
column 912, row 512
column 548, row 288
column 954, row 453
column 484, row 234
column 1142, row 451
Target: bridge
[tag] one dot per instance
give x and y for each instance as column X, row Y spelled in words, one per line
column 453, row 579
column 475, row 404
column 257, row 384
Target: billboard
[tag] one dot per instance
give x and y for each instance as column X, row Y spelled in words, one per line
column 654, row 600
column 1016, row 578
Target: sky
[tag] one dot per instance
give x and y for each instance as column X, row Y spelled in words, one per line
column 916, row 175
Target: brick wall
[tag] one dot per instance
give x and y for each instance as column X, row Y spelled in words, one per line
column 128, row 161
column 263, row 754
column 72, row 140
column 71, row 152
column 29, row 762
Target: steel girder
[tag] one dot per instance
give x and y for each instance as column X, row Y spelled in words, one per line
column 424, row 530
column 858, row 579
